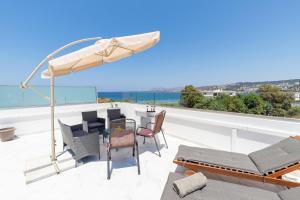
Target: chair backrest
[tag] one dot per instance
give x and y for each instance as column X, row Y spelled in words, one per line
column 90, row 116
column 66, row 132
column 114, row 113
column 159, row 120
column 277, row 156
column 122, row 132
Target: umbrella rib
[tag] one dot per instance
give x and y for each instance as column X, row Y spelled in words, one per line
column 114, row 47
column 126, row 49
column 99, row 54
column 75, row 64
column 114, row 44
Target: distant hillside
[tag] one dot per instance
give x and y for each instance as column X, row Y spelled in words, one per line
column 174, row 89
column 291, row 84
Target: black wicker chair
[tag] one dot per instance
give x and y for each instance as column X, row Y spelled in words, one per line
column 114, row 113
column 92, row 123
column 81, row 143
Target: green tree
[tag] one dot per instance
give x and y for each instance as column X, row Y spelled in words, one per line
column 279, row 112
column 278, row 102
column 220, row 102
column 268, row 108
column 217, row 105
column 254, row 103
column 204, row 103
column 223, row 99
column 294, row 112
column 236, row 104
column 270, row 100
column 190, row 96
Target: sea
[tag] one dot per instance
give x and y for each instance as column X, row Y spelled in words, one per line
column 142, row 97
column 12, row 96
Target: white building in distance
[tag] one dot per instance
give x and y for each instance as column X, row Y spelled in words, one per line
column 297, row 96
column 213, row 93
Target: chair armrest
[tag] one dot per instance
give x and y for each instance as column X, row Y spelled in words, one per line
column 79, row 133
column 101, row 120
column 123, row 116
column 76, row 127
column 85, row 126
column 86, row 137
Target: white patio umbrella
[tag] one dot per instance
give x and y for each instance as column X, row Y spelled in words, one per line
column 103, row 51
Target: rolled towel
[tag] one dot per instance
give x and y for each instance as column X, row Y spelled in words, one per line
column 189, row 184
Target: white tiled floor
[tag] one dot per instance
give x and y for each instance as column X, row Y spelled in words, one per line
column 87, row 181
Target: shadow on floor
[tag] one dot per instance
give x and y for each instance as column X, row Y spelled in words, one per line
column 149, row 145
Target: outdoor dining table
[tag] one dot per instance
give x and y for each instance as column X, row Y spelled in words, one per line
column 146, row 117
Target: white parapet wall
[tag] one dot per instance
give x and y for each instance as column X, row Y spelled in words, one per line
column 221, row 130
column 37, row 120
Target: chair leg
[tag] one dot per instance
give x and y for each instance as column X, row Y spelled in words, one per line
column 108, row 164
column 133, row 150
column 138, row 159
column 156, row 146
column 63, row 151
column 162, row 131
column 109, row 154
column 77, row 162
column 144, row 140
column 64, row 145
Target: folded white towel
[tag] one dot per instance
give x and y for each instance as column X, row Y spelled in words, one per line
column 189, row 184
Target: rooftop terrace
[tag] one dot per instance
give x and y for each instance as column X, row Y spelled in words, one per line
column 87, row 180
column 225, row 131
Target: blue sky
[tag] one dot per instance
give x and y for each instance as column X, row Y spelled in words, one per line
column 202, row 42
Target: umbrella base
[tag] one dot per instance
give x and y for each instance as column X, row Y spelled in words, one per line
column 42, row 167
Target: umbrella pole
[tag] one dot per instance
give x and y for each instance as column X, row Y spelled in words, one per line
column 53, row 156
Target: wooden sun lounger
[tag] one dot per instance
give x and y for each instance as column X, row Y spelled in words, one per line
column 274, row 177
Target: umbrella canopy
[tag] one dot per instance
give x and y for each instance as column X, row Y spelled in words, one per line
column 103, row 51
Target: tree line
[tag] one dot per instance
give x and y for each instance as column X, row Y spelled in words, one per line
column 268, row 100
